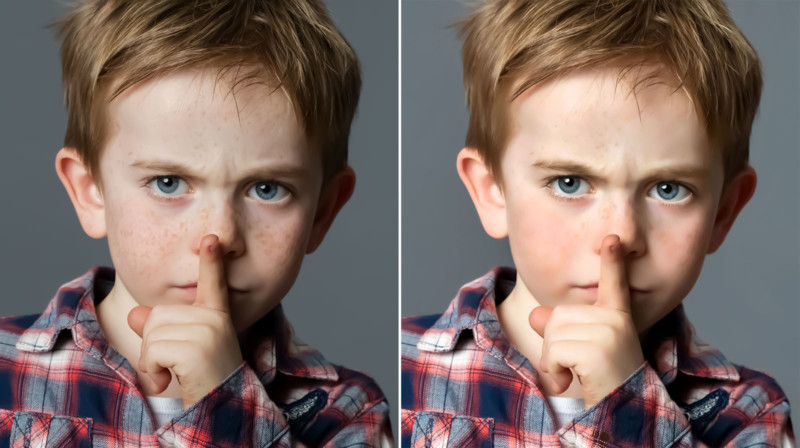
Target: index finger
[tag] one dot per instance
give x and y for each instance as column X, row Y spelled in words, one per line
column 212, row 287
column 612, row 291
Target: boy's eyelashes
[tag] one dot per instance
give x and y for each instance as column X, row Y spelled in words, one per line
column 568, row 187
column 173, row 187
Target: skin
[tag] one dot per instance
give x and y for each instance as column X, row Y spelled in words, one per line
column 234, row 214
column 579, row 309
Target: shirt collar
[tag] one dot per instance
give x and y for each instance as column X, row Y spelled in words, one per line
column 272, row 346
column 474, row 309
column 73, row 308
column 671, row 344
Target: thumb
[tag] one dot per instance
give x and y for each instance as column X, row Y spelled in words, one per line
column 137, row 318
column 538, row 318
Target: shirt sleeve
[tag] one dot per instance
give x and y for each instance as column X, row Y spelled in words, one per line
column 640, row 412
column 240, row 413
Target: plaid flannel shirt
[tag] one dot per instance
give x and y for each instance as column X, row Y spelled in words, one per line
column 463, row 384
column 71, row 388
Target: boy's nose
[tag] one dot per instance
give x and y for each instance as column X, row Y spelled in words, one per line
column 621, row 218
column 224, row 220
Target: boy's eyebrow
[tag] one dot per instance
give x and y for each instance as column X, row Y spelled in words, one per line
column 180, row 170
column 585, row 171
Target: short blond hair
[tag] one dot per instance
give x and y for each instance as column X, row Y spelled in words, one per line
column 512, row 45
column 110, row 45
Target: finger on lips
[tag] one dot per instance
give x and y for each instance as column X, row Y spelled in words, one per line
column 612, row 291
column 212, row 288
column 571, row 331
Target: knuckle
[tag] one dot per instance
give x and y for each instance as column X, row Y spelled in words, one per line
column 219, row 320
column 609, row 333
column 616, row 321
column 156, row 348
column 605, row 351
column 208, row 332
column 555, row 347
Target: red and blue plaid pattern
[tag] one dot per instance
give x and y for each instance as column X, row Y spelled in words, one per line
column 71, row 388
column 463, row 384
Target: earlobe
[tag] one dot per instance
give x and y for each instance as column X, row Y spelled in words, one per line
column 83, row 192
column 336, row 192
column 734, row 197
column 484, row 191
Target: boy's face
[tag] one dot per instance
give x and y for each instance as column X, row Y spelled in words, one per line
column 587, row 158
column 187, row 158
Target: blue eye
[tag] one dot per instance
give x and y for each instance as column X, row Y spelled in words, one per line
column 168, row 185
column 569, row 186
column 670, row 191
column 268, row 191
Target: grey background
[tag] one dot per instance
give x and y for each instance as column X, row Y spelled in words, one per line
column 746, row 300
column 344, row 302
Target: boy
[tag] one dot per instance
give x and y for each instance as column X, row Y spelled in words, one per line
column 609, row 142
column 210, row 147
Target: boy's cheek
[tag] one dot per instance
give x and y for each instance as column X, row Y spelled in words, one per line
column 676, row 257
column 544, row 251
column 279, row 251
column 679, row 242
column 143, row 249
column 144, row 236
column 276, row 239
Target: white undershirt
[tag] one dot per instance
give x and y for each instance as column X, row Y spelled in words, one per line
column 566, row 409
column 164, row 408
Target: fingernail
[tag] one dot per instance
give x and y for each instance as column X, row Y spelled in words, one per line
column 613, row 248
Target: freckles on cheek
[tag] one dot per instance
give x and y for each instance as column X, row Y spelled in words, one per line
column 143, row 243
column 678, row 242
column 679, row 249
column 280, row 245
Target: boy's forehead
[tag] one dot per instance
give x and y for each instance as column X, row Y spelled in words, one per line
column 597, row 115
column 610, row 84
column 193, row 90
column 195, row 112
column 606, row 94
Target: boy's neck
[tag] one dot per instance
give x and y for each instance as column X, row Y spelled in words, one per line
column 112, row 315
column 512, row 312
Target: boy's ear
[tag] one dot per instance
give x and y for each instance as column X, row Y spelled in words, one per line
column 733, row 199
column 82, row 191
column 484, row 191
column 335, row 193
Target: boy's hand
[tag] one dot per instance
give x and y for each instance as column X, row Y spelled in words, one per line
column 598, row 342
column 196, row 342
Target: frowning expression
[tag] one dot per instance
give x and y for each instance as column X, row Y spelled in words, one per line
column 188, row 157
column 586, row 158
